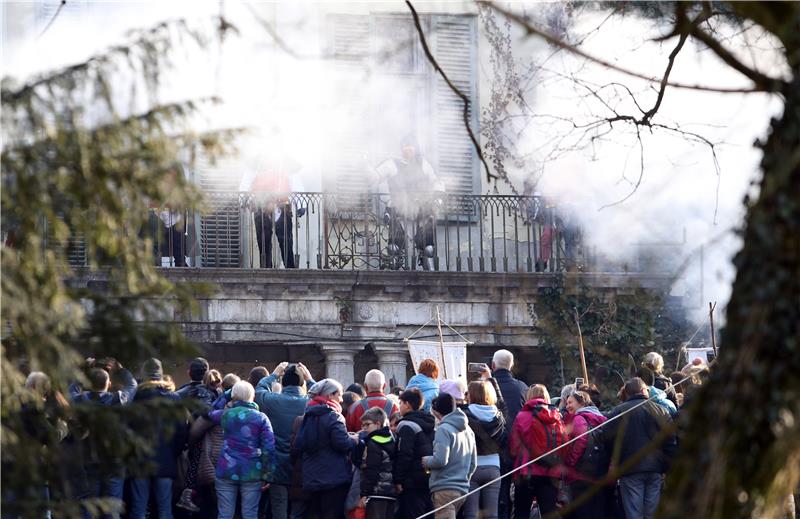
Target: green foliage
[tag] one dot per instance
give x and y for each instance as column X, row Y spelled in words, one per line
column 617, row 331
column 88, row 150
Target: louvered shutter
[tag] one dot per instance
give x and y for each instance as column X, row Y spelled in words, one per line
column 349, row 45
column 220, row 227
column 454, row 40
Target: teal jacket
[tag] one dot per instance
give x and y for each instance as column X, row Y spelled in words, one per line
column 281, row 409
column 428, row 386
column 455, row 456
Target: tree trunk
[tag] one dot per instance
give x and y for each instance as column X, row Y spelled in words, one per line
column 741, row 454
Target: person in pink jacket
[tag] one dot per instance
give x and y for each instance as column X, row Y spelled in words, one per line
column 537, row 430
column 584, row 459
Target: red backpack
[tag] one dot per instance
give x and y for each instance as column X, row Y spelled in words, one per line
column 544, row 437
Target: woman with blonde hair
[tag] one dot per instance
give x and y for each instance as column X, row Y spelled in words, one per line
column 537, row 430
column 486, row 416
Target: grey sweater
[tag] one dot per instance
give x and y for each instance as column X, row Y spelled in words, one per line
column 454, row 456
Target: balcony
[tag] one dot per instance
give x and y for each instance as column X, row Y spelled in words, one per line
column 356, row 232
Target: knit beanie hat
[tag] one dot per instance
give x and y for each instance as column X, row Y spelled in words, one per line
column 291, row 377
column 451, row 387
column 198, row 368
column 152, row 370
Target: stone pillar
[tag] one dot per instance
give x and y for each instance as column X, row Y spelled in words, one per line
column 392, row 360
column 339, row 361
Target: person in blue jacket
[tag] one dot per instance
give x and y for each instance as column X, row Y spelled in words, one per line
column 425, row 381
column 325, row 446
column 282, row 409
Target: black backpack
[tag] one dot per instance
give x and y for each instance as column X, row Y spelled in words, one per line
column 595, row 459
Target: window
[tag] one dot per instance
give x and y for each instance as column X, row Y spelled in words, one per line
column 387, row 88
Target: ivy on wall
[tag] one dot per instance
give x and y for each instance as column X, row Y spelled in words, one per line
column 617, row 332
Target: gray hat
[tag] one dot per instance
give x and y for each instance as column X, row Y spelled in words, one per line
column 152, row 370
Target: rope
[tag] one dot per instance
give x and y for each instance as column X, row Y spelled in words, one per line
column 418, row 329
column 554, row 450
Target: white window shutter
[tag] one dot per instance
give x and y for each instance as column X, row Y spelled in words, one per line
column 453, row 40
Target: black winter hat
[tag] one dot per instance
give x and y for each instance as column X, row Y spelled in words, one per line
column 198, row 368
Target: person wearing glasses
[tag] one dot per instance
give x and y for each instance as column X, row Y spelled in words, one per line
column 378, row 494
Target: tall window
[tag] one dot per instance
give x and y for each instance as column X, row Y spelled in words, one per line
column 387, row 89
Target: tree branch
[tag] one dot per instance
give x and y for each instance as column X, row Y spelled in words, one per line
column 772, row 85
column 456, row 91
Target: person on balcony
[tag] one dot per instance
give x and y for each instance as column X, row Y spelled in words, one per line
column 416, row 194
column 272, row 210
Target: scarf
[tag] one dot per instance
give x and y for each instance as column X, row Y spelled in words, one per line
column 321, row 400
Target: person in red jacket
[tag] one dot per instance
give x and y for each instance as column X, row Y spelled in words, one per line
column 537, row 430
column 585, row 458
column 375, row 384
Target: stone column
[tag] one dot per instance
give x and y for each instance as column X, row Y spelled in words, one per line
column 339, row 361
column 392, row 360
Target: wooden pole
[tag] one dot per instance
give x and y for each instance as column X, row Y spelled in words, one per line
column 711, row 320
column 441, row 341
column 580, row 348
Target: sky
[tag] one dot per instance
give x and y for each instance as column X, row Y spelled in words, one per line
column 687, row 200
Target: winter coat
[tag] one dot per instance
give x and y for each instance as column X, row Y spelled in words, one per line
column 248, row 450
column 373, row 399
column 454, row 458
column 491, row 433
column 584, row 419
column 663, row 383
column 512, row 390
column 376, row 470
column 281, row 409
column 414, row 440
column 167, row 447
column 520, row 445
column 638, row 428
column 660, row 397
column 213, row 439
column 197, row 391
column 428, row 386
column 121, row 397
column 325, row 446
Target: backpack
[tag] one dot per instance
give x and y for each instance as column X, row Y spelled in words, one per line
column 595, row 459
column 551, row 436
column 387, row 406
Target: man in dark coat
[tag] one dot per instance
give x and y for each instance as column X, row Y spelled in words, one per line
column 513, row 392
column 414, row 440
column 165, row 438
column 640, row 429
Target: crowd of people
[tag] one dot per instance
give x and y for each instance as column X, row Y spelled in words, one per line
column 283, row 444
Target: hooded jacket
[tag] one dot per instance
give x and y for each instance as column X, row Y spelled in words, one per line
column 491, row 433
column 166, row 446
column 325, row 447
column 281, row 409
column 659, row 396
column 521, row 448
column 376, row 470
column 196, row 390
column 428, row 386
column 454, row 457
column 248, row 450
column 584, row 419
column 414, row 440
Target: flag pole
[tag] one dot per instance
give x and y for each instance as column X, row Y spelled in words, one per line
column 441, row 340
column 580, row 347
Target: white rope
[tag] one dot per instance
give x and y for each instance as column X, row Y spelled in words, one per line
column 553, row 450
column 418, row 329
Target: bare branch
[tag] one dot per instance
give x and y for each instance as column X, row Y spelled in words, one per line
column 459, row 93
column 770, row 85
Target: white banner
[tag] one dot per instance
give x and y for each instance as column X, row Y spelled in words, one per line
column 455, row 357
column 698, row 353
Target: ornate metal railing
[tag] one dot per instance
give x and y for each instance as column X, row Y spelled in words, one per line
column 486, row 233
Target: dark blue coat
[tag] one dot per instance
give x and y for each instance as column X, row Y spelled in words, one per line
column 325, row 446
column 514, row 392
column 166, row 446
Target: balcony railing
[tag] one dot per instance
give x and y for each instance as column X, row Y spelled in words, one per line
column 456, row 233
